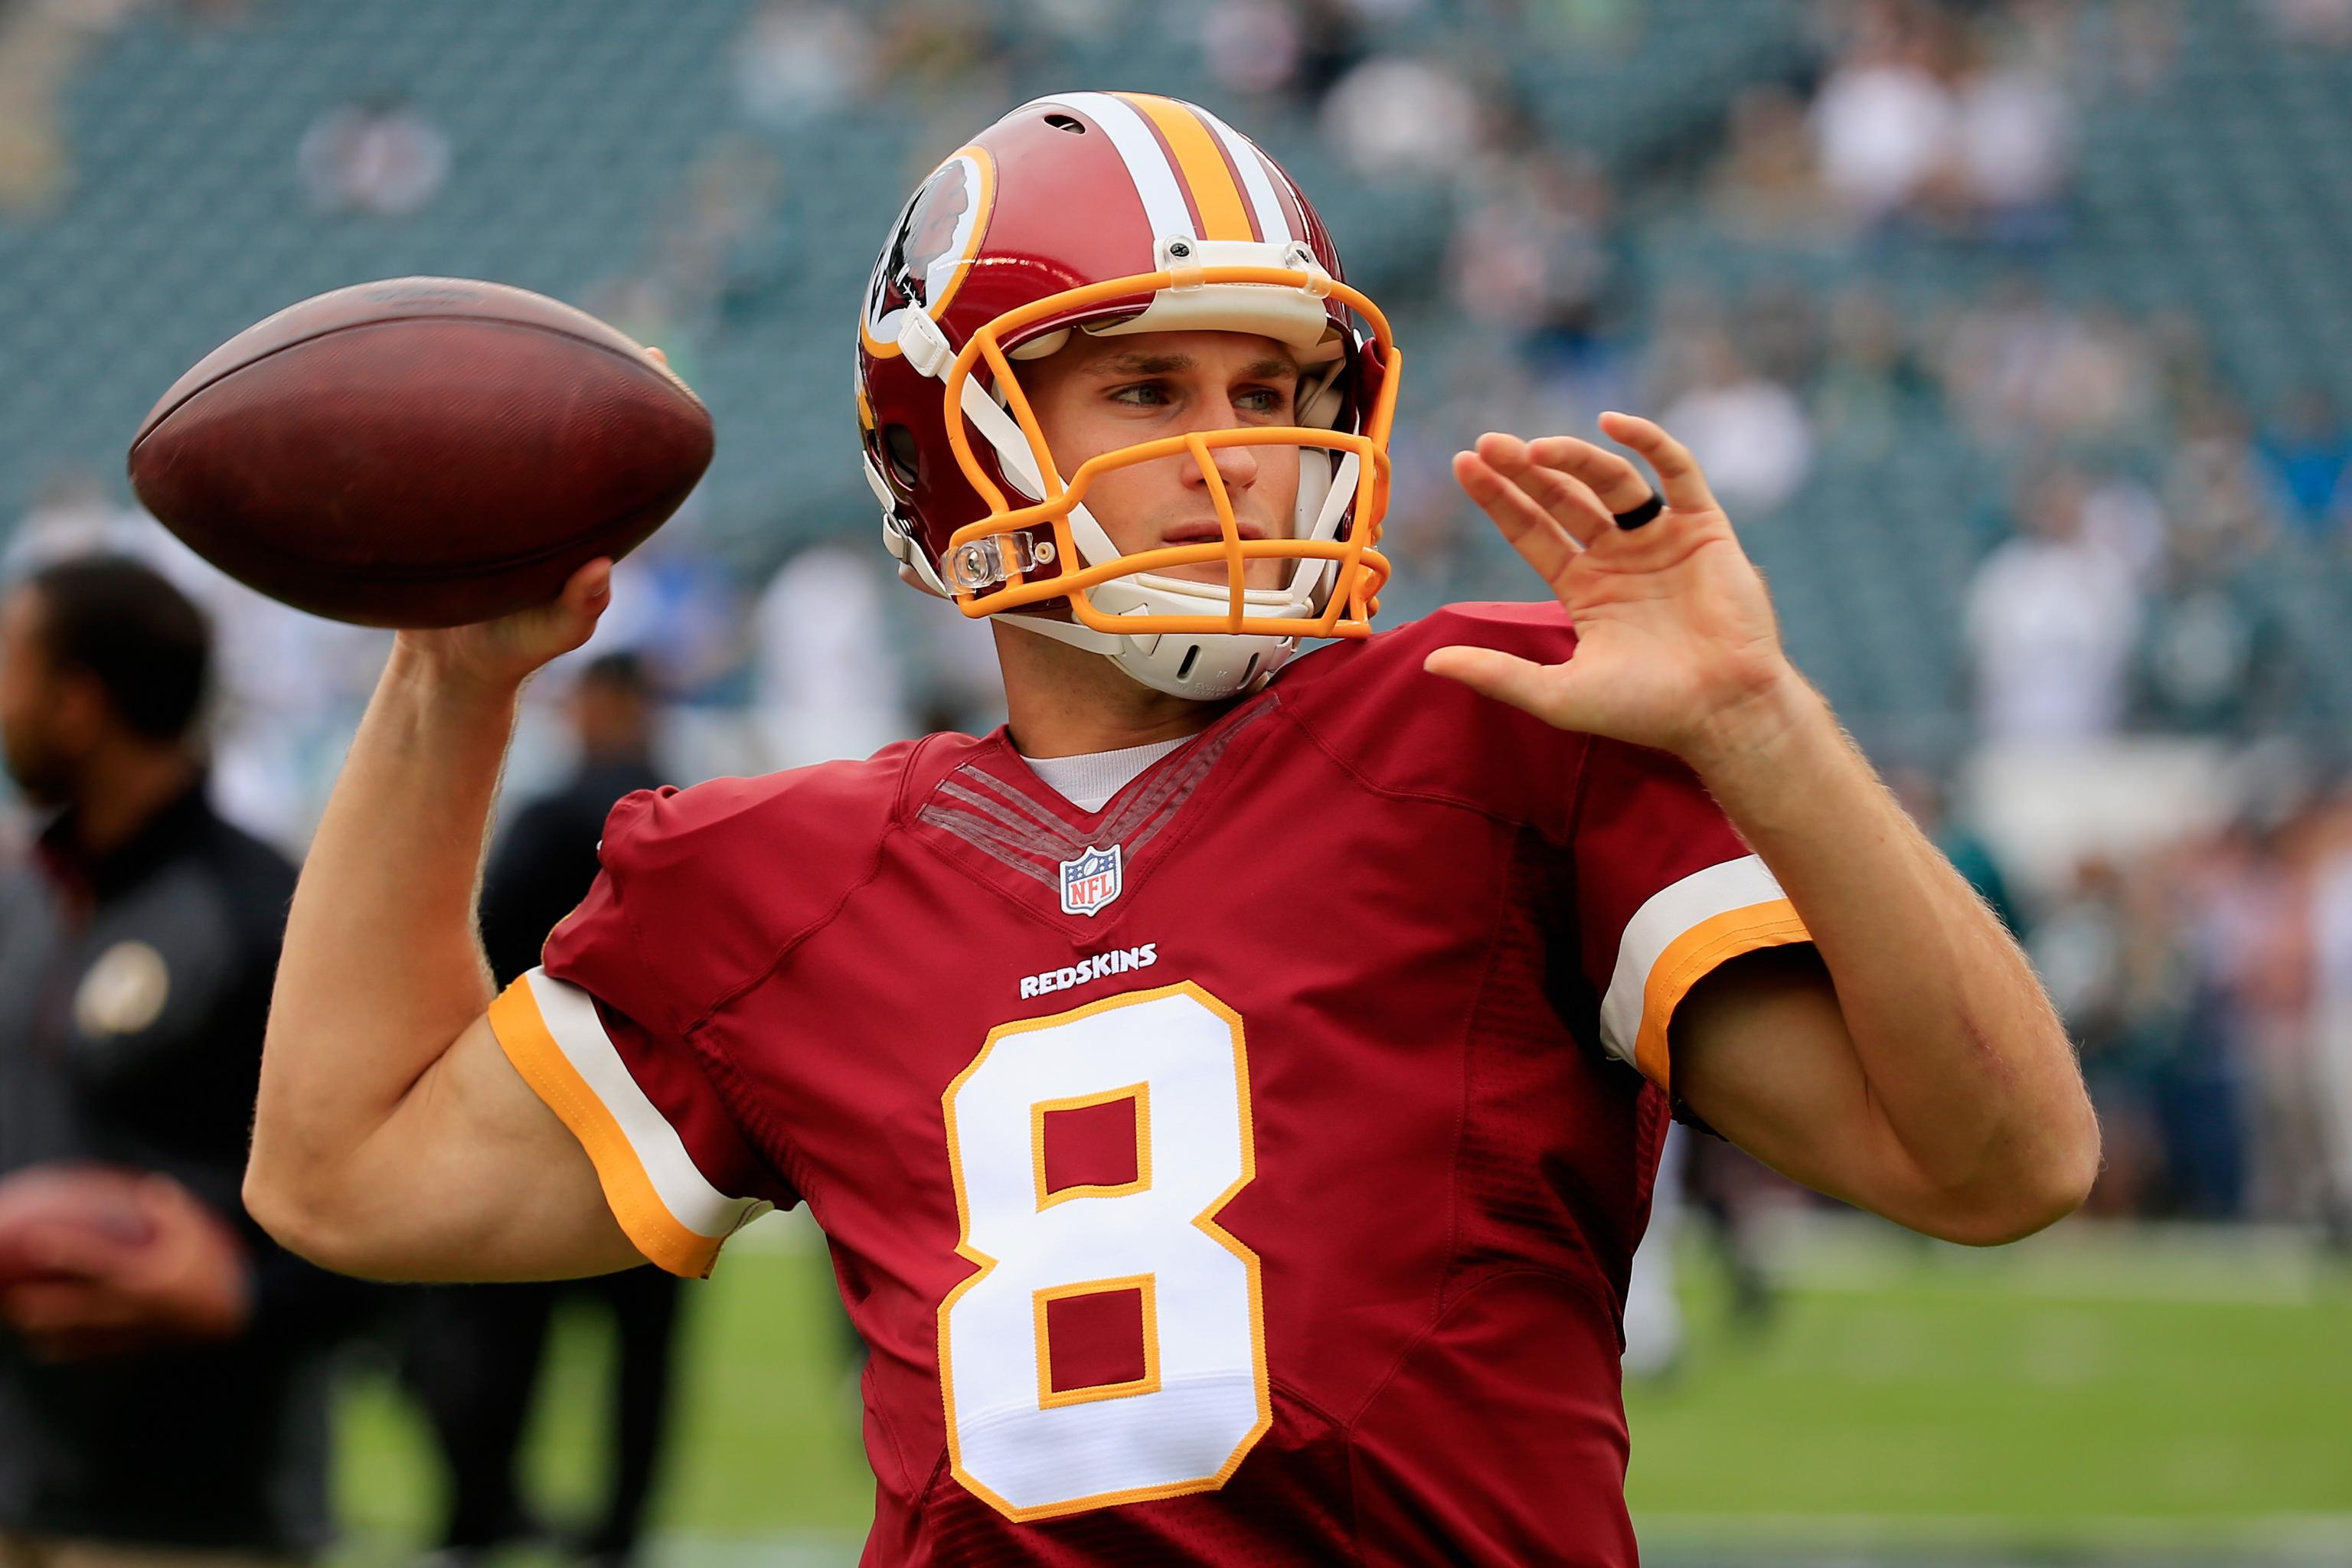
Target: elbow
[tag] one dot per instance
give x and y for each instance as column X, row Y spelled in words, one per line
column 2032, row 1193
column 288, row 1208
column 274, row 1203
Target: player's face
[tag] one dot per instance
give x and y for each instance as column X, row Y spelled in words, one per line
column 1101, row 393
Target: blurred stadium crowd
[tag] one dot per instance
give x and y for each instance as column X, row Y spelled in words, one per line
column 2013, row 331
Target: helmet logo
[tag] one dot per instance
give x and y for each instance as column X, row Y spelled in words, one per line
column 1091, row 882
column 931, row 249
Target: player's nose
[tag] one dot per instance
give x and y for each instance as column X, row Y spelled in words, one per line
column 1236, row 465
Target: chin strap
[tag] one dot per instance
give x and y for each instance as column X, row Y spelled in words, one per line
column 1068, row 632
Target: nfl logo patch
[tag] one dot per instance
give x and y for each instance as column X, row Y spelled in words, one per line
column 1091, row 881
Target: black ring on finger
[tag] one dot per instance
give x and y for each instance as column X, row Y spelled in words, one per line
column 1645, row 512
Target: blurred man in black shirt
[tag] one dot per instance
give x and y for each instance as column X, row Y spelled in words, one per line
column 476, row 1349
column 162, row 1389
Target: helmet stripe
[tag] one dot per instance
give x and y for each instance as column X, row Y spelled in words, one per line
column 1202, row 163
column 1147, row 164
column 1272, row 223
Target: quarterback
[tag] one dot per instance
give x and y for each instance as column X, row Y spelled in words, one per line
column 1230, row 1091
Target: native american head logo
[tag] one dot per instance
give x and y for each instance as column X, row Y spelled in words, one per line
column 933, row 244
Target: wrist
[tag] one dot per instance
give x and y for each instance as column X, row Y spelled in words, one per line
column 444, row 680
column 1759, row 730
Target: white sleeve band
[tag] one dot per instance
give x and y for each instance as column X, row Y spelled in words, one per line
column 572, row 1022
column 1664, row 918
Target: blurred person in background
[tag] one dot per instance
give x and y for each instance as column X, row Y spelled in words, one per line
column 286, row 687
column 1395, row 115
column 475, row 1353
column 2051, row 621
column 2253, row 932
column 2013, row 131
column 378, row 154
column 1748, row 429
column 161, row 1400
column 798, row 59
column 825, row 679
column 2084, row 947
column 2021, row 368
column 2330, row 891
column 2308, row 450
column 1884, row 121
column 1871, row 380
column 1767, row 187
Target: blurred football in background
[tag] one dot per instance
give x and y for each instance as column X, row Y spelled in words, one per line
column 420, row 452
column 89, row 1198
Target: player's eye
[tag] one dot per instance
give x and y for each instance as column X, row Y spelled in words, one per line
column 1142, row 394
column 1263, row 400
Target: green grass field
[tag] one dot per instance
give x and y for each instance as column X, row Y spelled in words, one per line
column 2128, row 1396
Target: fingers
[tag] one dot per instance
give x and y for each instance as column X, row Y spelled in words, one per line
column 589, row 589
column 65, row 1309
column 1679, row 478
column 1531, row 530
column 68, row 1249
column 586, row 595
column 1614, row 482
column 1503, row 677
column 1565, row 495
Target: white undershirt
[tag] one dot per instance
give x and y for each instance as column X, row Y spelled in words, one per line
column 1088, row 779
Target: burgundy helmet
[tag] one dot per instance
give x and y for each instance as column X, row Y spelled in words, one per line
column 1107, row 214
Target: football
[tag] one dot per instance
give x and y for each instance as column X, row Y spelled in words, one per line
column 94, row 1199
column 420, row 452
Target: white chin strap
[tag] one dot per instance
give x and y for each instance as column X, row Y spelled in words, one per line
column 1204, row 668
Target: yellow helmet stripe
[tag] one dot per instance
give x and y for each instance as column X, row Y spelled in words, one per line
column 1224, row 214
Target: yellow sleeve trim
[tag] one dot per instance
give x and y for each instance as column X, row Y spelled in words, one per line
column 1696, row 953
column 523, row 1034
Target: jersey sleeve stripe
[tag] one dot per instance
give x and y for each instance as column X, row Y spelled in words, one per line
column 1677, row 937
column 550, row 1032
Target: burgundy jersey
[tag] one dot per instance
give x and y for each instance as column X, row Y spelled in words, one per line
column 1247, row 1173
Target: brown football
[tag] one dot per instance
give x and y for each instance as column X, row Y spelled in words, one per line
column 95, row 1199
column 420, row 452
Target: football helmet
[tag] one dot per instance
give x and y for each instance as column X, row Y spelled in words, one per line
column 1111, row 212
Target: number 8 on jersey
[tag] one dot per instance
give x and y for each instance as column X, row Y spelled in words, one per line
column 1018, row 1438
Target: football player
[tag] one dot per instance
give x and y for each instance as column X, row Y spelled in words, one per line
column 1230, row 1091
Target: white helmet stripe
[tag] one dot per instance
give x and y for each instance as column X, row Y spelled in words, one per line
column 1146, row 161
column 1273, row 224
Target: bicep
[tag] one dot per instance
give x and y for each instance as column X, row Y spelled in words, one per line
column 474, row 1178
column 1761, row 1053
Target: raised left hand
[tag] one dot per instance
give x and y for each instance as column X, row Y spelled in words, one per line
column 1676, row 644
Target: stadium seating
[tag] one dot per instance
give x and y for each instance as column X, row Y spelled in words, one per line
column 578, row 133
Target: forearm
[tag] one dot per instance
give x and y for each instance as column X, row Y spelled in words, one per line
column 1962, row 1058
column 381, row 969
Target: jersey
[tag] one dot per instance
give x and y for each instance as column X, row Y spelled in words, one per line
column 1247, row 1173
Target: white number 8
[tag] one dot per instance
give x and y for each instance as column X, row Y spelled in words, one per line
column 1027, row 1450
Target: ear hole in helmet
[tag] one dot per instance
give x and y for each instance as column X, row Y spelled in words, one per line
column 899, row 454
column 1063, row 123
column 1191, row 657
